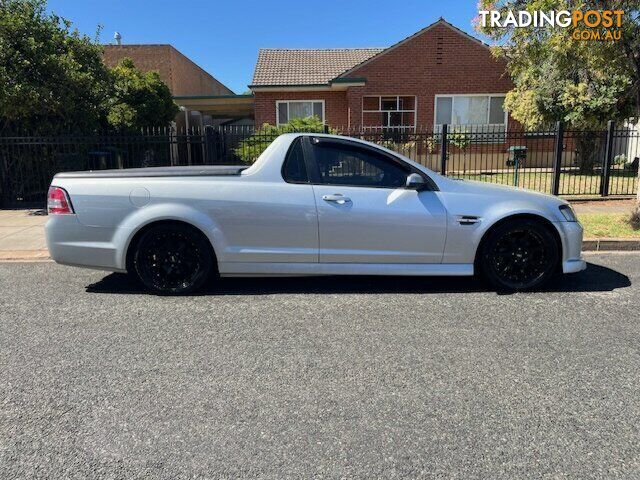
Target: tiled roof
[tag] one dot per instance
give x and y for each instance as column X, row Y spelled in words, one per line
column 307, row 67
column 282, row 67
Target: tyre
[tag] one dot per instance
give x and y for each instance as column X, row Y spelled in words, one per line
column 519, row 255
column 172, row 259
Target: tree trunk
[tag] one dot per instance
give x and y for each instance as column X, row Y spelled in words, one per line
column 587, row 151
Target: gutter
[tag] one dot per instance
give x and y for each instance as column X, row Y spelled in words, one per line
column 337, row 84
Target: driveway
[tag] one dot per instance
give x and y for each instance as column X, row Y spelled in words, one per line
column 22, row 234
column 334, row 377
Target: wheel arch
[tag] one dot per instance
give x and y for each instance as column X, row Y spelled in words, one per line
column 518, row 216
column 137, row 234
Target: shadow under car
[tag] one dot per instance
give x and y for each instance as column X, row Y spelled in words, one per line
column 595, row 278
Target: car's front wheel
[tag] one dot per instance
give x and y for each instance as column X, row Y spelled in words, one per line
column 172, row 259
column 519, row 255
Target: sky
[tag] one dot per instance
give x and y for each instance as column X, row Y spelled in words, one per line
column 223, row 37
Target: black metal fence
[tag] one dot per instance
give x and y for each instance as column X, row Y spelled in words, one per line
column 27, row 163
column 553, row 160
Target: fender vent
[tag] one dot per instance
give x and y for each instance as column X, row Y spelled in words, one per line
column 468, row 219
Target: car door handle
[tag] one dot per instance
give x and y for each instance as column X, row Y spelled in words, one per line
column 336, row 198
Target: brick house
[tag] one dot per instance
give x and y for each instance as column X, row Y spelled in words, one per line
column 181, row 74
column 203, row 99
column 438, row 75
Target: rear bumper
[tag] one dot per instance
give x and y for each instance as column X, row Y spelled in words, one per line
column 571, row 236
column 72, row 243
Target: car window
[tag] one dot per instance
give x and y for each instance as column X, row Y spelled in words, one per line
column 294, row 169
column 341, row 164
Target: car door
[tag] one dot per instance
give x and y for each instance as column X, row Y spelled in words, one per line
column 365, row 212
column 272, row 220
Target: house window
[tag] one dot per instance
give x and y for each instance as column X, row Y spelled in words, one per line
column 287, row 110
column 389, row 113
column 472, row 111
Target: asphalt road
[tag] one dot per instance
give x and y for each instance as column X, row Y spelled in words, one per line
column 334, row 377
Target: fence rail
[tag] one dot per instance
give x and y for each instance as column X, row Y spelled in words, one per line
column 553, row 160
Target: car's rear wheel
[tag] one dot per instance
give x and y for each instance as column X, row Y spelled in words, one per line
column 172, row 259
column 519, row 255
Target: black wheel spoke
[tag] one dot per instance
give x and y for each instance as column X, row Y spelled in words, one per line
column 171, row 260
column 519, row 257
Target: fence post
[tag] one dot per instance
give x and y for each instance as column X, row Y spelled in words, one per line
column 443, row 151
column 608, row 157
column 2, row 181
column 557, row 159
column 209, row 146
column 3, row 166
column 174, row 155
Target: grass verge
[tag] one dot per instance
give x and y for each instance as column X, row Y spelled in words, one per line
column 607, row 225
column 622, row 182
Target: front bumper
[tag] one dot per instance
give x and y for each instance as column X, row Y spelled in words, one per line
column 574, row 266
column 571, row 237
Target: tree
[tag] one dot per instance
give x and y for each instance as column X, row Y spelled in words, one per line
column 249, row 149
column 138, row 99
column 51, row 77
column 584, row 83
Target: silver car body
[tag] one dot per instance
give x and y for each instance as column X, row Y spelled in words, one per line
column 260, row 225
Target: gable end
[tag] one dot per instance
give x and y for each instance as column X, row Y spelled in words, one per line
column 441, row 21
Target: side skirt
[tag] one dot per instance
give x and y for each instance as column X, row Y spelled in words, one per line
column 241, row 269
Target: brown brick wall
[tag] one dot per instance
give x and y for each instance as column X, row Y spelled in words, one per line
column 145, row 57
column 439, row 61
column 190, row 79
column 182, row 75
column 335, row 105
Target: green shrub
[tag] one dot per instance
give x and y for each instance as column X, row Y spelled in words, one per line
column 620, row 159
column 249, row 149
column 459, row 138
column 424, row 145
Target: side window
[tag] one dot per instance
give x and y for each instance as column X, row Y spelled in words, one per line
column 294, row 169
column 341, row 164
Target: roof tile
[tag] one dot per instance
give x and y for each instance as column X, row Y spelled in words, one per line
column 306, row 66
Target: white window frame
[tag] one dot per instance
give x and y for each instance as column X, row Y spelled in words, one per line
column 278, row 102
column 380, row 110
column 505, row 124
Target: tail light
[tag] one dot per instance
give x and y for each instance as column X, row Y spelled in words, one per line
column 58, row 202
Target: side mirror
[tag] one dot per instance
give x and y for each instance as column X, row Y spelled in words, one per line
column 416, row 182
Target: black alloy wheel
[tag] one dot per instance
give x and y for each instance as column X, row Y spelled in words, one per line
column 172, row 259
column 520, row 255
